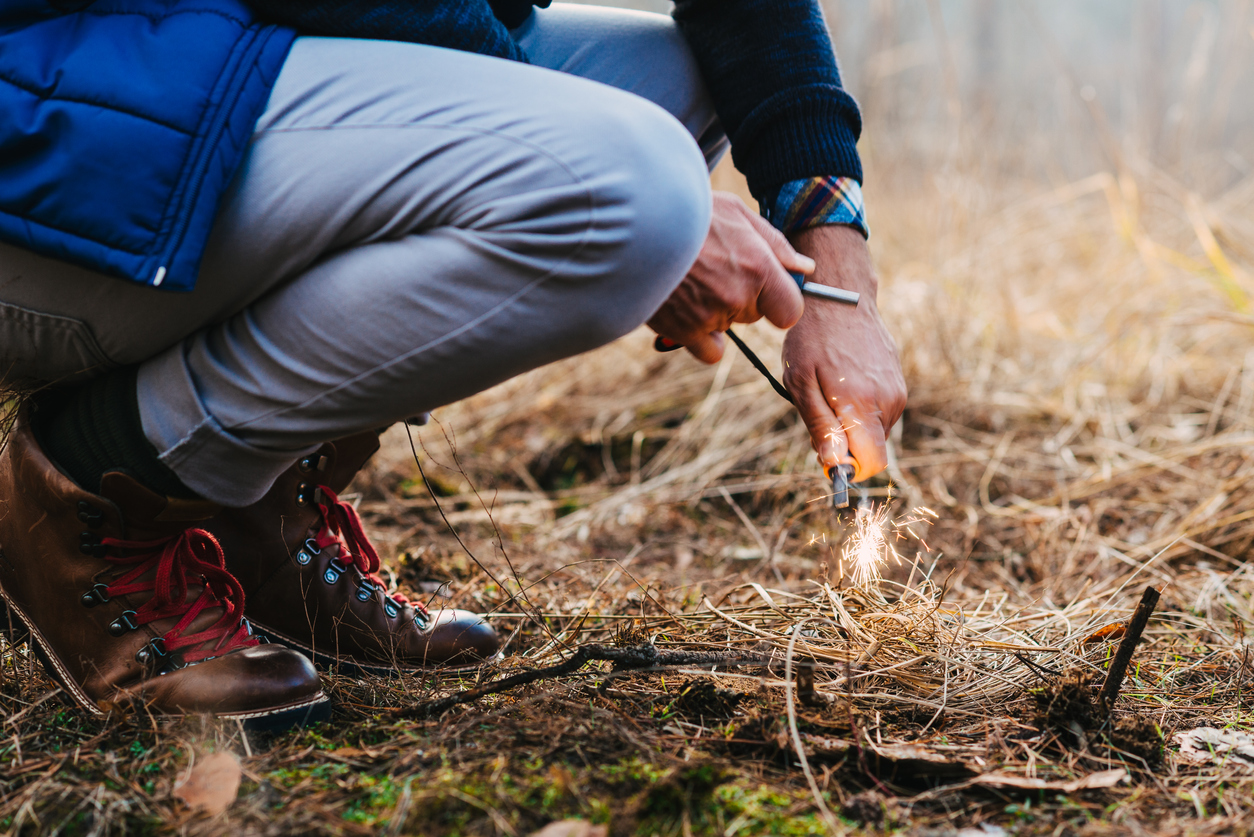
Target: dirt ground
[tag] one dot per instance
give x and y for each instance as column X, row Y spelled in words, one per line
column 1079, row 342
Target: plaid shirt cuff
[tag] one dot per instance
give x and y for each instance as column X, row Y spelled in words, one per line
column 816, row 201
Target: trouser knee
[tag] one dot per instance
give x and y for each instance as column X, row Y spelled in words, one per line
column 656, row 204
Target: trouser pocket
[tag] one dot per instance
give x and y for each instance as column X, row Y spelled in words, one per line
column 40, row 347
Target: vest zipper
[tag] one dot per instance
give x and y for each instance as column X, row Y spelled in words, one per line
column 208, row 147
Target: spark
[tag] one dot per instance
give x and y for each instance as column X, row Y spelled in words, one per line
column 868, row 549
column 870, row 546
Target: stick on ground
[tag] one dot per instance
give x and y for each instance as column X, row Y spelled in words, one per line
column 1123, row 656
column 636, row 657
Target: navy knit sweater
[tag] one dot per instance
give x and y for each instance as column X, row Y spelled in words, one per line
column 769, row 66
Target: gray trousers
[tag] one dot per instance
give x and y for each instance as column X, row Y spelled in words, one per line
column 411, row 225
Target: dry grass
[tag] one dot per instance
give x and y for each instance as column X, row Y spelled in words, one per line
column 1081, row 361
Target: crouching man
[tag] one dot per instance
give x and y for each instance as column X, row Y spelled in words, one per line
column 238, row 239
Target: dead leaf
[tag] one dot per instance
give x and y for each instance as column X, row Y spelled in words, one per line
column 818, row 745
column 1207, row 745
column 212, row 784
column 1101, row 779
column 350, row 752
column 905, row 760
column 984, row 829
column 900, row 760
column 571, row 828
column 1114, row 630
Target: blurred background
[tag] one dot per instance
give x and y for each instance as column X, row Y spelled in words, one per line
column 1050, row 89
column 1061, row 202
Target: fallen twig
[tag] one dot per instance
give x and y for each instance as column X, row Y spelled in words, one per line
column 790, row 705
column 631, row 658
column 1123, row 656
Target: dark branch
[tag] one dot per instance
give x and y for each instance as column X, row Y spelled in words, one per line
column 1123, row 656
column 633, row 658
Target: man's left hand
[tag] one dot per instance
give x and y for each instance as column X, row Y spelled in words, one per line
column 840, row 363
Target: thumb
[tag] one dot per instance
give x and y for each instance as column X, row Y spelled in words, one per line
column 782, row 247
column 708, row 348
column 780, row 299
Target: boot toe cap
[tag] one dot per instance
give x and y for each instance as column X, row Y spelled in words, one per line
column 252, row 682
column 460, row 636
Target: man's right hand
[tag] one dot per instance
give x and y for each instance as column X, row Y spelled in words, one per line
column 740, row 276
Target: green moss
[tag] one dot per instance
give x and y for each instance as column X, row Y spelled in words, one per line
column 290, row 777
column 374, row 799
column 758, row 809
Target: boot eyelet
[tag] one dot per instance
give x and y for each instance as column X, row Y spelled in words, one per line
column 308, row 552
column 391, row 609
column 89, row 514
column 98, row 594
column 124, row 623
column 307, row 494
column 89, row 544
column 152, row 651
column 365, row 592
column 333, row 572
column 312, row 463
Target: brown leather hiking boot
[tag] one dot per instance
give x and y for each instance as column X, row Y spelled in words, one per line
column 311, row 576
column 128, row 606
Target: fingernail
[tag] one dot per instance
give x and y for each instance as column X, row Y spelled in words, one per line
column 805, row 263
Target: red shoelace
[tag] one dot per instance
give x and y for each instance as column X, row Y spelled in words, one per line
column 177, row 563
column 341, row 526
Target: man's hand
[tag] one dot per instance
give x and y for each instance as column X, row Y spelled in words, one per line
column 740, row 276
column 840, row 364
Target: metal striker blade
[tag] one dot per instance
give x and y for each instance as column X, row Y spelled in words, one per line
column 841, row 475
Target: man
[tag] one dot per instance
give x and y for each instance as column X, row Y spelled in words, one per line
column 431, row 198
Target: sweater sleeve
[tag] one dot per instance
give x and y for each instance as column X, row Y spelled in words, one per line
column 771, row 70
column 470, row 26
column 515, row 12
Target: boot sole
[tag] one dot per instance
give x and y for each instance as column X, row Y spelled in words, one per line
column 350, row 667
column 18, row 628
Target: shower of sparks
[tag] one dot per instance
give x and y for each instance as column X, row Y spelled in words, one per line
column 868, row 548
column 871, row 545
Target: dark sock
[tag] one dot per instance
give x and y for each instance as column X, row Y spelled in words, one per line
column 95, row 428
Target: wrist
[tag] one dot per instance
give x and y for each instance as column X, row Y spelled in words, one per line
column 841, row 257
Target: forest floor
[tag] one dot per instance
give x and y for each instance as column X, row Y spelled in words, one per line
column 1081, row 427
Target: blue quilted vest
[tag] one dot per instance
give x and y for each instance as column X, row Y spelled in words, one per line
column 122, row 122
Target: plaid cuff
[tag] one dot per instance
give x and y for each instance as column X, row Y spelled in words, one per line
column 816, row 201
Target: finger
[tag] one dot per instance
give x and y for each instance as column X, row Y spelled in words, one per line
column 682, row 327
column 867, row 441
column 827, row 437
column 780, row 299
column 896, row 407
column 782, row 247
column 707, row 348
